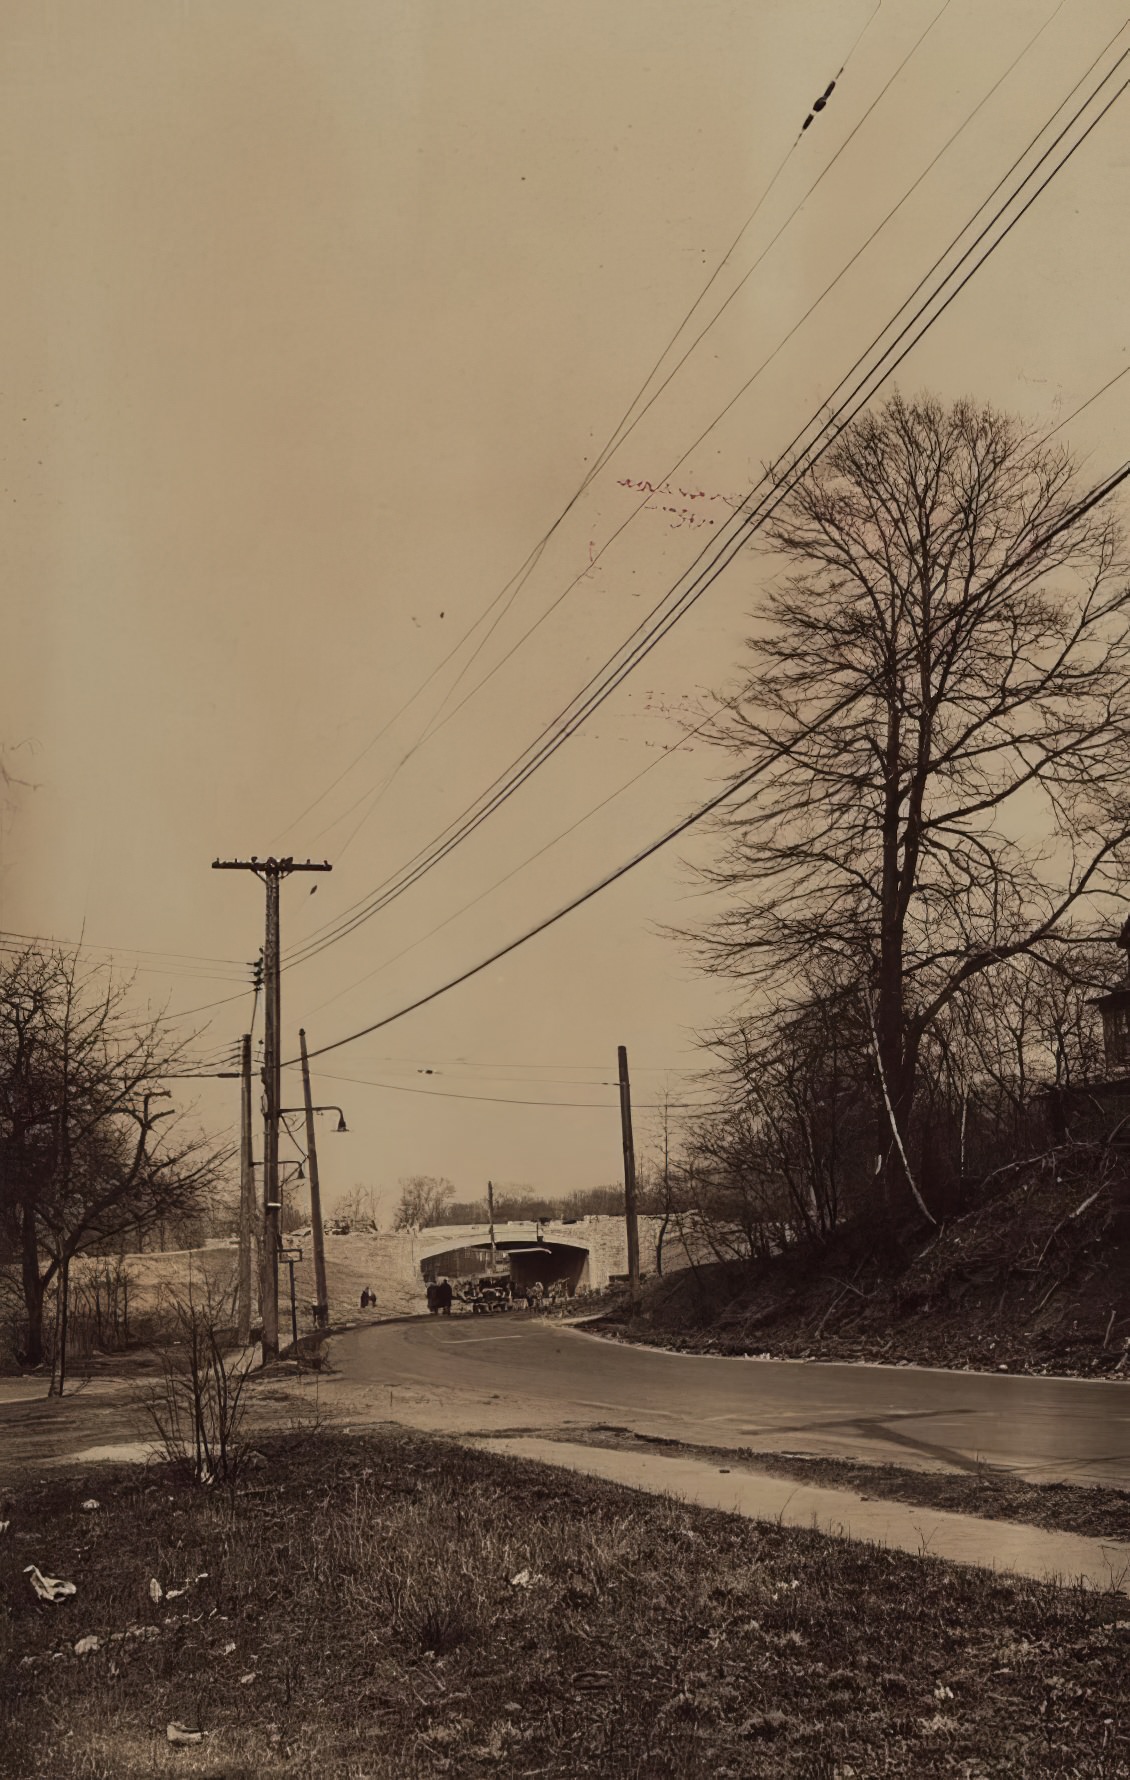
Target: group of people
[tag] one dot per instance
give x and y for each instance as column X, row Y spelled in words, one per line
column 368, row 1298
column 439, row 1297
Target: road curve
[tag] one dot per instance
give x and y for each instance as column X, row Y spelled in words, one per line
column 484, row 1375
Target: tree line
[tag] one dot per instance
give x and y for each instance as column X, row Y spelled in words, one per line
column 427, row 1199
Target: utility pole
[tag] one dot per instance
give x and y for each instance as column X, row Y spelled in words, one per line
column 490, row 1217
column 629, row 1181
column 321, row 1294
column 246, row 1192
column 271, row 872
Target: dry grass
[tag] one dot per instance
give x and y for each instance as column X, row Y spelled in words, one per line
column 351, row 1612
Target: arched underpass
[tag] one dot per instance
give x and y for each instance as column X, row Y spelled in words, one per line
column 549, row 1261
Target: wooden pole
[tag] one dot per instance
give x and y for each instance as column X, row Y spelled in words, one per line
column 293, row 1307
column 246, row 1193
column 272, row 1100
column 321, row 1293
column 629, row 1180
column 271, row 871
column 490, row 1215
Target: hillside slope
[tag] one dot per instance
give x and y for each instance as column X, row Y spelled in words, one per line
column 1036, row 1280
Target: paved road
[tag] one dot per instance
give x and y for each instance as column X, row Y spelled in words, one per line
column 519, row 1373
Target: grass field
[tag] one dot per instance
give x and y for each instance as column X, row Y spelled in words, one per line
column 389, row 1605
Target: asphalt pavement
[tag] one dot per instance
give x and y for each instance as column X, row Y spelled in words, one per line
column 521, row 1374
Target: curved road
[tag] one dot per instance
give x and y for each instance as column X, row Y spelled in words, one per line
column 467, row 1375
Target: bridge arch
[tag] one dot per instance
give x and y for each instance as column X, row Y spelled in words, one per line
column 533, row 1253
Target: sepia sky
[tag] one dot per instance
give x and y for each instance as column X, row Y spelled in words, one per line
column 315, row 318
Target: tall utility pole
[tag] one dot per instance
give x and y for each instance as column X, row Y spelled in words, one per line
column 246, row 1192
column 271, row 871
column 629, row 1180
column 490, row 1215
column 321, row 1294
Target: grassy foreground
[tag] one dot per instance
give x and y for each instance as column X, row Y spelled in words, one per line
column 390, row 1605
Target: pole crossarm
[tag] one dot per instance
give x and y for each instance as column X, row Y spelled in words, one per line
column 271, row 867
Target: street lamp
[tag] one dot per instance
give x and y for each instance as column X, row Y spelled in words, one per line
column 341, row 1124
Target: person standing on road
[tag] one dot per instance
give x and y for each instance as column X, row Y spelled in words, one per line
column 444, row 1294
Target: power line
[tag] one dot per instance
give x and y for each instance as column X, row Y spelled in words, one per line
column 498, row 1099
column 378, row 792
column 1101, row 492
column 623, row 432
column 462, row 826
column 85, row 945
column 620, row 432
column 658, row 760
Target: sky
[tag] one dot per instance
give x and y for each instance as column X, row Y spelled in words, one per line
column 317, row 318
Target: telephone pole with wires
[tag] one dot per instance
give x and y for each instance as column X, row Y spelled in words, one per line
column 271, row 872
column 629, row 1180
column 246, row 1192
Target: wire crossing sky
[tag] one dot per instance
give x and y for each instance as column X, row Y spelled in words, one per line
column 385, row 386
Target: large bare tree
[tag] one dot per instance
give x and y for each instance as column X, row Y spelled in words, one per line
column 91, row 1151
column 940, row 701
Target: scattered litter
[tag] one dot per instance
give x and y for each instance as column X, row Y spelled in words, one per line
column 180, row 1733
column 524, row 1579
column 49, row 1588
column 86, row 1645
column 202, row 1576
column 587, row 1678
column 942, row 1692
column 246, row 1680
column 172, row 1593
column 155, row 1590
column 91, row 1504
column 227, row 1648
column 4, row 1525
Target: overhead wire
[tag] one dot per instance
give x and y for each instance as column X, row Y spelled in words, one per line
column 660, row 621
column 615, row 439
column 1094, row 497
column 438, row 721
column 500, row 1099
column 632, row 419
column 688, row 736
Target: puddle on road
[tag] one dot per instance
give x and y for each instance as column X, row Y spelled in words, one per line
column 925, row 1532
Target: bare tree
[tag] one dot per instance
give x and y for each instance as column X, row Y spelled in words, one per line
column 89, row 1154
column 941, row 706
column 423, row 1201
column 795, row 1090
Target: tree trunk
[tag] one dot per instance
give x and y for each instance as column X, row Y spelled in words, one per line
column 33, row 1291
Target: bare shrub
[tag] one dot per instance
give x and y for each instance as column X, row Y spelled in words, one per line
column 196, row 1404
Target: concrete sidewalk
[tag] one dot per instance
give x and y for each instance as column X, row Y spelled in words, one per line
column 963, row 1539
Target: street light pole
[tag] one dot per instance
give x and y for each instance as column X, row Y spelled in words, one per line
column 321, row 1292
